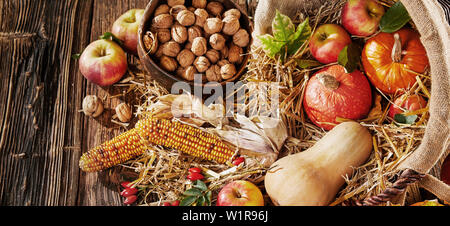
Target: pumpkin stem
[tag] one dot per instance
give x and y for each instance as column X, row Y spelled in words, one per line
column 396, row 54
column 329, row 81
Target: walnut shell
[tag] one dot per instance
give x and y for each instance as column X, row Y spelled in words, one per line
column 224, row 52
column 213, row 55
column 179, row 33
column 171, row 48
column 162, row 21
column 199, row 3
column 188, row 46
column 199, row 46
column 163, row 35
column 235, row 54
column 213, row 25
column 223, row 62
column 227, row 71
column 188, row 73
column 202, row 64
column 230, row 25
column 176, row 9
column 186, row 18
column 215, row 8
column 168, row 63
column 124, row 112
column 241, row 38
column 162, row 9
column 173, row 3
column 150, row 42
column 194, row 32
column 92, row 106
column 213, row 73
column 217, row 41
column 232, row 12
column 185, row 58
column 200, row 17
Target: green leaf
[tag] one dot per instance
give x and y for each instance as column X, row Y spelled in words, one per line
column 188, row 201
column 395, row 18
column 208, row 198
column 304, row 64
column 270, row 45
column 201, row 201
column 193, row 192
column 401, row 118
column 349, row 57
column 110, row 36
column 200, row 185
column 76, row 56
column 302, row 35
column 282, row 27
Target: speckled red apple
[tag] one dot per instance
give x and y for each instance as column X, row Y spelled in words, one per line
column 332, row 93
column 408, row 103
column 327, row 42
column 126, row 29
column 103, row 62
column 240, row 193
column 362, row 17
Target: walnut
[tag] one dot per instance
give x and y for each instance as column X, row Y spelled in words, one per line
column 173, row 3
column 224, row 52
column 163, row 35
column 217, row 41
column 177, row 9
column 171, row 48
column 194, row 32
column 188, row 73
column 186, row 18
column 185, row 58
column 199, row 3
column 223, row 62
column 215, row 8
column 213, row 25
column 200, row 17
column 199, row 46
column 213, row 55
column 159, row 53
column 213, row 73
column 92, row 106
column 179, row 33
column 168, row 63
column 202, row 64
column 188, row 46
column 124, row 112
column 162, row 21
column 230, row 25
column 232, row 12
column 235, row 54
column 150, row 42
column 227, row 71
column 162, row 9
column 241, row 38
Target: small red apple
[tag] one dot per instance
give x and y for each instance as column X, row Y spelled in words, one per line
column 445, row 170
column 362, row 17
column 408, row 103
column 327, row 42
column 332, row 93
column 103, row 62
column 240, row 193
column 126, row 29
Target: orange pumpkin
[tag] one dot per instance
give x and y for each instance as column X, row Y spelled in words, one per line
column 392, row 60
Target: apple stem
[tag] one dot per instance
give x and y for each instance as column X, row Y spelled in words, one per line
column 396, row 54
column 329, row 81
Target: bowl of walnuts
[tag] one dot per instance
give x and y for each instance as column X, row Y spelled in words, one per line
column 182, row 38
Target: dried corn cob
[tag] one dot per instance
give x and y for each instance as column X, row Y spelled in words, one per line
column 167, row 133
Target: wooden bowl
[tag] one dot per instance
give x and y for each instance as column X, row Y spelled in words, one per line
column 167, row 79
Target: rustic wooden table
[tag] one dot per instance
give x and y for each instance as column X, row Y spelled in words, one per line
column 42, row 133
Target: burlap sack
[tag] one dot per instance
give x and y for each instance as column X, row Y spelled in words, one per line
column 430, row 20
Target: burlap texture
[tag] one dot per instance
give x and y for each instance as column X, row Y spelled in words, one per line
column 430, row 21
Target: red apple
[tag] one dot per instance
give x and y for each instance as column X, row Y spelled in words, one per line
column 103, row 62
column 408, row 103
column 362, row 17
column 445, row 170
column 126, row 29
column 327, row 42
column 240, row 193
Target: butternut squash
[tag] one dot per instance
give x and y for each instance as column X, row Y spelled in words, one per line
column 313, row 177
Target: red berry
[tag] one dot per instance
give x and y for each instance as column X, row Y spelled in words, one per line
column 126, row 184
column 166, row 204
column 130, row 199
column 195, row 170
column 195, row 176
column 238, row 161
column 175, row 203
column 128, row 192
